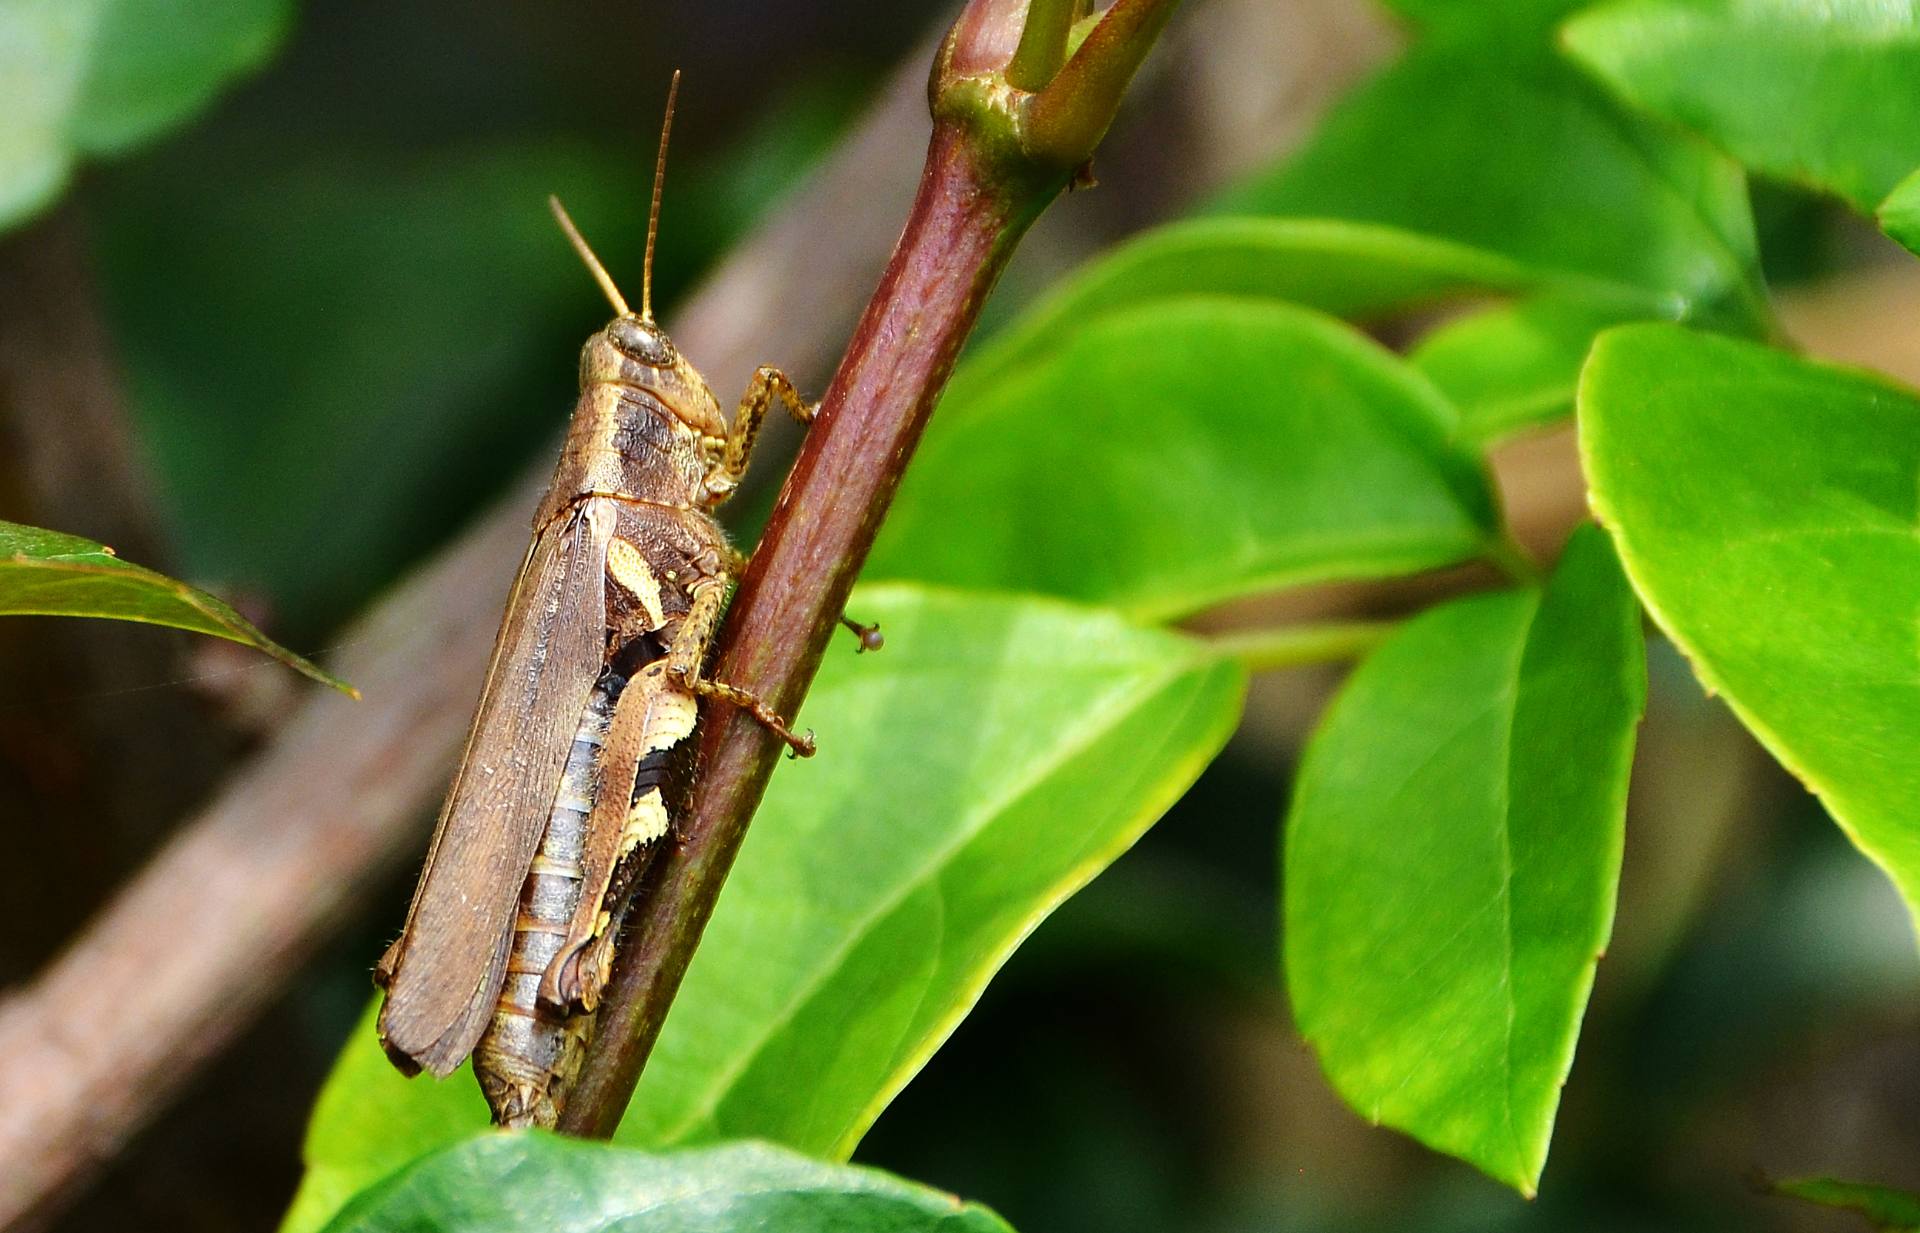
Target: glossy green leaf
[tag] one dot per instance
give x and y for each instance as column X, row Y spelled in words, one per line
column 1168, row 457
column 1514, row 366
column 1452, row 856
column 1765, row 508
column 539, row 1184
column 1900, row 213
column 1485, row 138
column 1014, row 749
column 1823, row 92
column 81, row 77
column 1887, row 1209
column 1347, row 269
column 47, row 573
column 990, row 761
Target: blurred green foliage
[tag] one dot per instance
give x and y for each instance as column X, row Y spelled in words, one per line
column 1513, row 367
column 1892, row 1211
column 97, row 77
column 1818, row 94
column 1482, row 135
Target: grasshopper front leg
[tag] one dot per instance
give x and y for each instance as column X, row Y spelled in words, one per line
column 769, row 385
column 689, row 647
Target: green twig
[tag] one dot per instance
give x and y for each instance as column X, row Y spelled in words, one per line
column 1043, row 44
column 1295, row 646
column 1506, row 553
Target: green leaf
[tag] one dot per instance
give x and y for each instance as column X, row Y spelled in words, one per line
column 991, row 760
column 1014, row 749
column 1820, row 93
column 1347, row 269
column 1764, row 507
column 1900, row 213
column 370, row 1120
column 1514, row 366
column 1168, row 457
column 539, row 1184
column 1485, row 138
column 80, row 77
column 47, row 573
column 1452, row 856
column 1887, row 1209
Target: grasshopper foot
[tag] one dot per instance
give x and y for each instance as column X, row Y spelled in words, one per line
column 797, row 746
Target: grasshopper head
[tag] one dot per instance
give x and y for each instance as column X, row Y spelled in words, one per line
column 634, row 351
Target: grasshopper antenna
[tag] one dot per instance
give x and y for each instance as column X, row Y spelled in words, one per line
column 653, row 214
column 599, row 271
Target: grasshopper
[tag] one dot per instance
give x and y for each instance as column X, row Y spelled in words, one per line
column 594, row 683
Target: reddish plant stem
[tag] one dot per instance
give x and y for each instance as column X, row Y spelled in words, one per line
column 963, row 227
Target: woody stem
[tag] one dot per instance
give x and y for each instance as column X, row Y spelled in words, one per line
column 962, row 230
column 982, row 186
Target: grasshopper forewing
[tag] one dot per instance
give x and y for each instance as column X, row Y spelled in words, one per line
column 443, row 972
column 592, row 686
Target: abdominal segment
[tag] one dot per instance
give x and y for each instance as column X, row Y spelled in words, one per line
column 529, row 1056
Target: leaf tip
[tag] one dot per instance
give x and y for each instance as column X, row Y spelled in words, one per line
column 315, row 672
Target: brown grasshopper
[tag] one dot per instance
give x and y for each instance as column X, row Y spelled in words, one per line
column 594, row 682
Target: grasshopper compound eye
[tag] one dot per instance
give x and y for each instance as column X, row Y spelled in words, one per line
column 642, row 341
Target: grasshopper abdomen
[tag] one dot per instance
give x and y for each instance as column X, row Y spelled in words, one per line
column 530, row 1053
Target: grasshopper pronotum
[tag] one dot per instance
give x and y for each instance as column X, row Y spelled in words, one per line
column 594, row 681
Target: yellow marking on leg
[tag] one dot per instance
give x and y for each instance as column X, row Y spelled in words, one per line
column 671, row 716
column 653, row 714
column 646, row 821
column 629, row 569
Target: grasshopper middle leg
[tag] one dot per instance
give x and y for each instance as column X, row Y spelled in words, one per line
column 683, row 666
